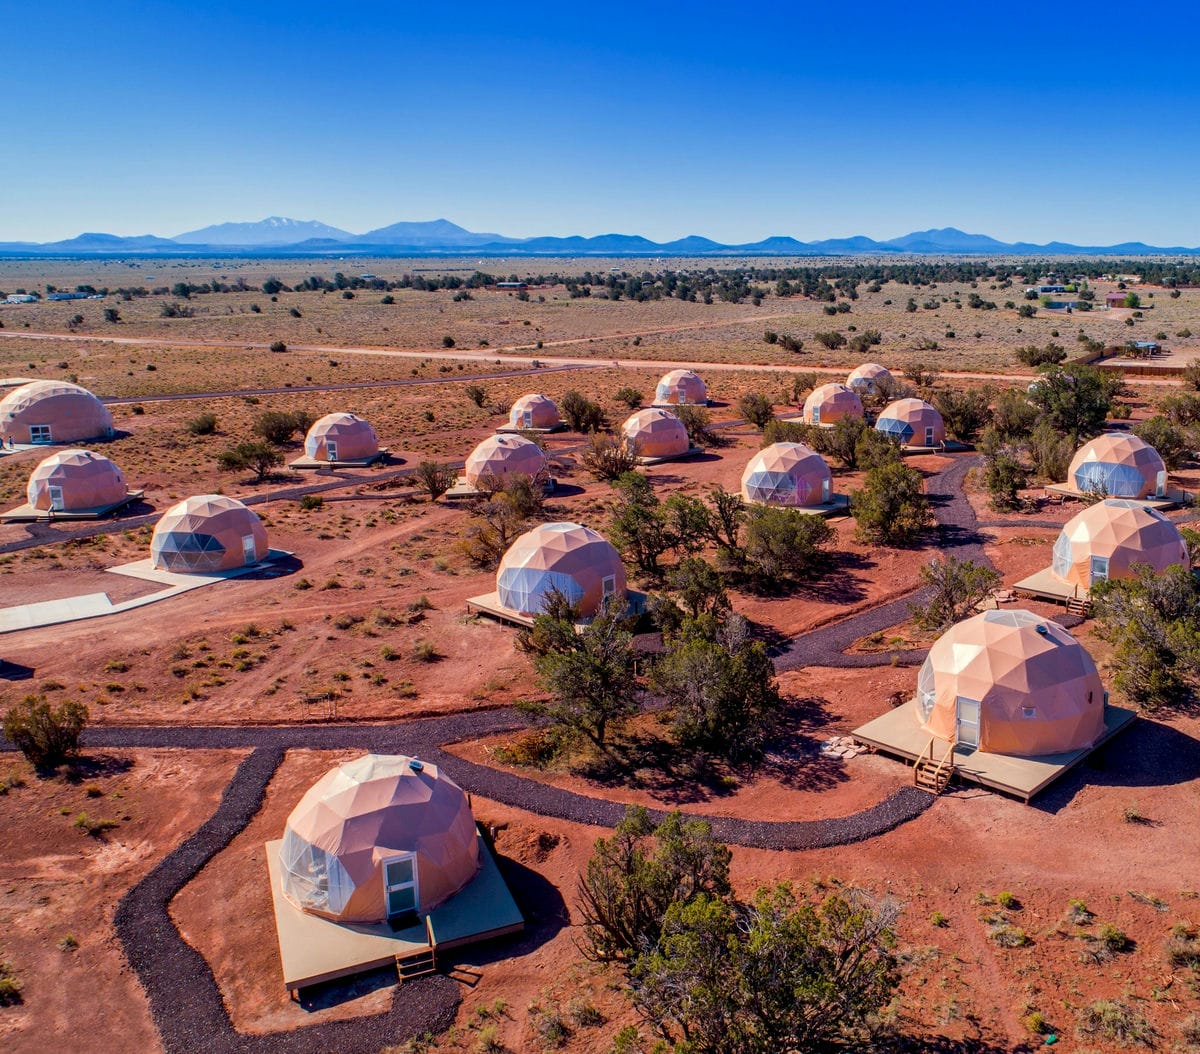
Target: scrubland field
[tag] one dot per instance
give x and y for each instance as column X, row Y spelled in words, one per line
column 369, row 626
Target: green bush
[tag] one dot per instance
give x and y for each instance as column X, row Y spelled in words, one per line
column 46, row 735
column 203, row 425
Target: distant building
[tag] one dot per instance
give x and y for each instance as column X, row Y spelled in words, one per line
column 21, row 298
column 1115, row 299
column 1047, row 289
column 67, row 296
column 512, row 285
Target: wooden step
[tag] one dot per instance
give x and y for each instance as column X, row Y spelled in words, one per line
column 1079, row 606
column 416, row 964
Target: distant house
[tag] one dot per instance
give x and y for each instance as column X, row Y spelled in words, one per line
column 66, row 296
column 21, row 298
column 512, row 285
column 1115, row 298
column 1046, row 289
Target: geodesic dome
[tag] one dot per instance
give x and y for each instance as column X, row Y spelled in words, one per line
column 1108, row 538
column 534, row 411
column 206, row 534
column 74, row 480
column 1118, row 465
column 53, row 412
column 913, row 422
column 864, row 378
column 504, row 455
column 656, row 433
column 378, row 837
column 341, row 437
column 1011, row 682
column 681, row 387
column 575, row 560
column 787, row 474
column 830, row 403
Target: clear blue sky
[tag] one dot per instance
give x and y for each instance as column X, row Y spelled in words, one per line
column 1026, row 121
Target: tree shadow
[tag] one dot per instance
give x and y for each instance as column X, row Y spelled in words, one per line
column 922, row 1044
column 92, row 766
column 793, row 756
column 1146, row 754
column 329, row 994
column 542, row 906
column 285, row 565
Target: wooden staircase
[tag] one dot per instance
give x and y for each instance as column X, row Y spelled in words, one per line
column 1077, row 605
column 420, row 961
column 932, row 773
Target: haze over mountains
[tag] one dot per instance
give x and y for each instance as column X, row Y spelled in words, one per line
column 281, row 236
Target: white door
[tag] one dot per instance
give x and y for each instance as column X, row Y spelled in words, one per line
column 1160, row 485
column 1099, row 569
column 968, row 722
column 249, row 550
column 527, row 418
column 826, row 488
column 400, row 884
column 331, row 449
column 608, row 585
column 816, row 415
column 929, row 435
column 681, row 395
column 39, row 434
column 56, row 499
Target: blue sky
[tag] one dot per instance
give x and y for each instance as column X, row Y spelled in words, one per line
column 732, row 121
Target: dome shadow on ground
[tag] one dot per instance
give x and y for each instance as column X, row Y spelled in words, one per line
column 1147, row 754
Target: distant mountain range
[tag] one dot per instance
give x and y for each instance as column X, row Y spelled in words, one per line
column 280, row 236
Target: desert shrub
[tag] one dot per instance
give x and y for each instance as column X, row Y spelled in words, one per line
column 695, row 419
column 1051, row 451
column 1008, row 936
column 784, row 544
column 278, row 346
column 93, row 827
column 956, row 587
column 965, row 412
column 262, row 458
column 1113, row 1020
column 311, row 502
column 891, row 509
column 276, row 426
column 476, row 393
column 435, row 479
column 202, row 424
column 1173, row 443
column 1032, row 355
column 756, row 409
column 447, row 341
column 831, row 340
column 630, row 397
column 635, row 875
column 581, row 413
column 10, row 985
column 778, row 430
column 46, row 735
column 425, row 651
column 1004, row 476
column 608, row 457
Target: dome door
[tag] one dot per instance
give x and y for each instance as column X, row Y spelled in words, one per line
column 249, row 549
column 39, row 434
column 56, row 498
column 1160, row 485
column 967, row 714
column 331, row 449
column 1098, row 569
column 816, row 415
column 400, row 885
column 527, row 418
column 929, row 435
column 826, row 491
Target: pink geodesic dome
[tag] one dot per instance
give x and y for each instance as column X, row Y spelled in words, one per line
column 681, row 387
column 570, row 558
column 348, row 436
column 369, row 824
column 1108, row 538
column 913, row 422
column 206, row 534
column 656, row 433
column 53, row 412
column 830, row 403
column 75, row 480
column 504, row 455
column 1117, row 465
column 864, row 378
column 1018, row 682
column 787, row 474
column 534, row 411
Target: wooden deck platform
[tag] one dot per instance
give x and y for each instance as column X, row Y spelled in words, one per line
column 28, row 514
column 1046, row 585
column 1174, row 497
column 310, row 464
column 313, row 949
column 690, row 452
column 518, row 430
column 898, row 733
column 838, row 505
column 463, row 491
column 489, row 604
column 950, row 446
